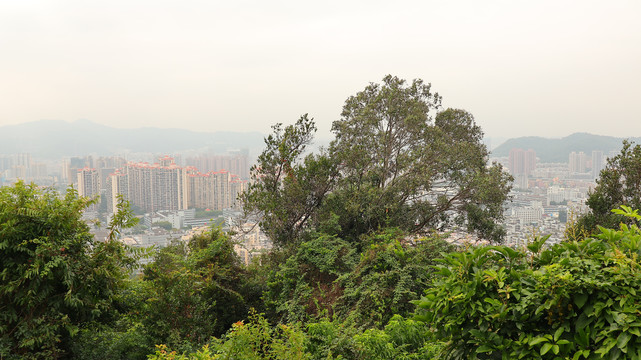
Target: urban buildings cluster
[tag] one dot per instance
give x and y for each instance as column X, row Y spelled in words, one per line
column 162, row 186
column 168, row 189
column 22, row 166
column 546, row 195
column 165, row 190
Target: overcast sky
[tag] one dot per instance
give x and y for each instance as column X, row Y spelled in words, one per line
column 547, row 68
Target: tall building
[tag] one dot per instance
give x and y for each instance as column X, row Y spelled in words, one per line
column 166, row 186
column 577, row 162
column 215, row 190
column 117, row 183
column 155, row 187
column 236, row 163
column 597, row 163
column 522, row 162
column 89, row 184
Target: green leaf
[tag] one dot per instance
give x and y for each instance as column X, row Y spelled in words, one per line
column 484, row 349
column 580, row 299
column 537, row 340
column 623, row 339
column 545, row 348
column 582, row 321
column 558, row 333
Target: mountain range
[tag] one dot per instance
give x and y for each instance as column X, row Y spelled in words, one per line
column 52, row 139
column 558, row 150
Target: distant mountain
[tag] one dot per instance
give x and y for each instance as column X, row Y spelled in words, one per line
column 51, row 139
column 558, row 150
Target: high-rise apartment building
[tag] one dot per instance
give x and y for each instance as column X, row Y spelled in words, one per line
column 89, row 184
column 577, row 162
column 522, row 162
column 166, row 186
column 236, row 163
column 117, row 183
column 597, row 163
column 155, row 187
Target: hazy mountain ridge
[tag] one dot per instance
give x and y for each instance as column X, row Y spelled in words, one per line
column 51, row 139
column 558, row 150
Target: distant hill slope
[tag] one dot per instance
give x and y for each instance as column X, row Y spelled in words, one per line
column 51, row 139
column 558, row 150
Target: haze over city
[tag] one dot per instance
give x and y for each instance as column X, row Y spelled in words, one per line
column 547, row 68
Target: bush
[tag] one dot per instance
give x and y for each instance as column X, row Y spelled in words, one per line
column 54, row 275
column 255, row 339
column 572, row 300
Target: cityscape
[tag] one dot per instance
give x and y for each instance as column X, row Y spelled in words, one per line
column 175, row 195
column 173, row 200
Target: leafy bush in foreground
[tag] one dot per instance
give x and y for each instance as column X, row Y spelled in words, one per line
column 576, row 300
column 54, row 275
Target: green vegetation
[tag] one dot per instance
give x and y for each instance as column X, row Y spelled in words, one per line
column 393, row 163
column 358, row 271
column 55, row 277
column 207, row 214
column 618, row 184
column 577, row 299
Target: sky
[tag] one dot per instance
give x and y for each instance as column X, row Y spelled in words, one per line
column 522, row 68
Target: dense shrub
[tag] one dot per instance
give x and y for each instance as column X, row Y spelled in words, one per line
column 572, row 300
column 54, row 276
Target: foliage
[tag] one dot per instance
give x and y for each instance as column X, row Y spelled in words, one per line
column 255, row 339
column 164, row 224
column 287, row 190
column 193, row 291
column 122, row 340
column 54, row 275
column 572, row 300
column 331, row 339
column 392, row 271
column 400, row 339
column 207, row 213
column 618, row 184
column 392, row 163
column 403, row 167
column 326, row 277
column 123, row 218
column 305, row 285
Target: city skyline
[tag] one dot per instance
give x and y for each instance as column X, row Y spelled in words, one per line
column 541, row 69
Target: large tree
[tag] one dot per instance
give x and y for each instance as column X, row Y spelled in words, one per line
column 405, row 164
column 618, row 184
column 396, row 161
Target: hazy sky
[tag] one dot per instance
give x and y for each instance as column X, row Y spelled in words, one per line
column 548, row 68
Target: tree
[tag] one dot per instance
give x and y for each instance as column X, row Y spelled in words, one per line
column 618, row 184
column 401, row 166
column 287, row 190
column 54, row 275
column 391, row 164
